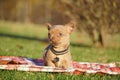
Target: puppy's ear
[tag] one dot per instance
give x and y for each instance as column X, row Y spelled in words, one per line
column 48, row 26
column 71, row 25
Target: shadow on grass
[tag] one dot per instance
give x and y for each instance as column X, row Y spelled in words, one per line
column 45, row 40
column 80, row 45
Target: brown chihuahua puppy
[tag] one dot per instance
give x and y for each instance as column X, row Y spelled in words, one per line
column 57, row 54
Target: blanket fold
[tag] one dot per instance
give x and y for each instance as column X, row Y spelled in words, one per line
column 30, row 64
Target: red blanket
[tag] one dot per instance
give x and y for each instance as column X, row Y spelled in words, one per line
column 29, row 64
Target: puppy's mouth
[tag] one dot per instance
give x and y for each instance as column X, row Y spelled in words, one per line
column 54, row 43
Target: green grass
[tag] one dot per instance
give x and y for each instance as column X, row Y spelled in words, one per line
column 29, row 40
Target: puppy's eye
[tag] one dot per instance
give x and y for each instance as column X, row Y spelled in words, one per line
column 60, row 34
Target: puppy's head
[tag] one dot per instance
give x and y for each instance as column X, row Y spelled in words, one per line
column 59, row 34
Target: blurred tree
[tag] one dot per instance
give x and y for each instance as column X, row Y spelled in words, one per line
column 6, row 7
column 96, row 17
column 22, row 10
column 36, row 11
column 41, row 11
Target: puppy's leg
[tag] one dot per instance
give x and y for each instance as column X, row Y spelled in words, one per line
column 66, row 64
column 50, row 63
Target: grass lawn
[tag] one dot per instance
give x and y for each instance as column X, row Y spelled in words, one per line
column 29, row 40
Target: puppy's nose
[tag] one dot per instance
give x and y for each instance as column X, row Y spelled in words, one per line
column 51, row 38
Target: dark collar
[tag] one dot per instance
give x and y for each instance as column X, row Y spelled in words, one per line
column 59, row 52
